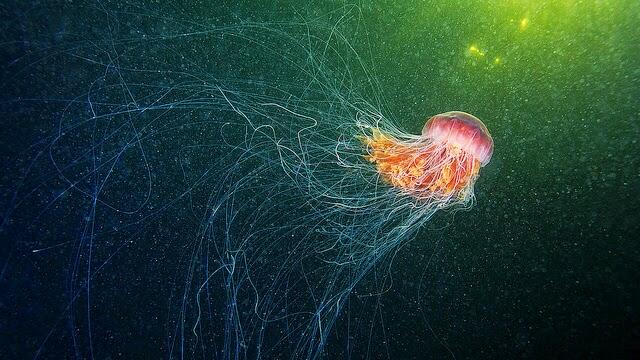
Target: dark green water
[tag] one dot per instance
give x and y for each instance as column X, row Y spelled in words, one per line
column 545, row 265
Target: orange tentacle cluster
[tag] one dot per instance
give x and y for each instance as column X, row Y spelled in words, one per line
column 422, row 168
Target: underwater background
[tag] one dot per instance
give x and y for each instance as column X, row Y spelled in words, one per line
column 546, row 264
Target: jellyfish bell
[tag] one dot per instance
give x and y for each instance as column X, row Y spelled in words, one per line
column 440, row 166
column 462, row 130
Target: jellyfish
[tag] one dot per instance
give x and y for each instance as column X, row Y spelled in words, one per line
column 259, row 204
column 441, row 164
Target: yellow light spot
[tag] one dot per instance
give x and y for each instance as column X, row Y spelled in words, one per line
column 523, row 24
column 497, row 61
column 475, row 51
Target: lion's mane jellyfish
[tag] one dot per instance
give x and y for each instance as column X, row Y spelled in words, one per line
column 441, row 165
